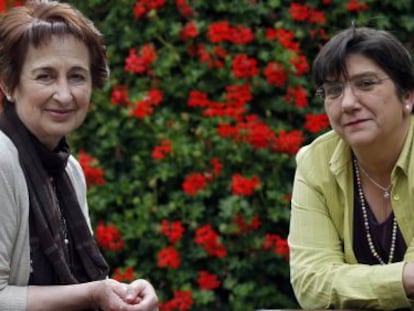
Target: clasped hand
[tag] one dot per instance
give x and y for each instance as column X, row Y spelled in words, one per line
column 137, row 296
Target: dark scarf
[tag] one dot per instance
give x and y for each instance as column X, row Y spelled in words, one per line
column 53, row 262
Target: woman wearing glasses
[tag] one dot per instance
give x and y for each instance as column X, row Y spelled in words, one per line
column 352, row 222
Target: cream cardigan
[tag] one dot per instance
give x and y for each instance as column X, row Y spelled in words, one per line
column 14, row 224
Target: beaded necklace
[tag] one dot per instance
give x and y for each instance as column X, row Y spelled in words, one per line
column 366, row 222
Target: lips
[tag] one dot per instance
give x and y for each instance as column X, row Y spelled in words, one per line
column 59, row 114
column 355, row 122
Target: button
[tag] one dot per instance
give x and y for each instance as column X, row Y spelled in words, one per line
column 396, row 197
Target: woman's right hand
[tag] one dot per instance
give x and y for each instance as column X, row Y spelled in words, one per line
column 111, row 295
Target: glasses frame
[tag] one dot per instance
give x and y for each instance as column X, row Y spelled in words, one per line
column 320, row 91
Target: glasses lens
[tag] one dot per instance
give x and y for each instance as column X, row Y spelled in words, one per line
column 333, row 90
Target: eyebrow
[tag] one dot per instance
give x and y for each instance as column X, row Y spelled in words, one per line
column 356, row 76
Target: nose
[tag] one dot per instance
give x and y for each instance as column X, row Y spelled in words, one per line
column 63, row 92
column 349, row 99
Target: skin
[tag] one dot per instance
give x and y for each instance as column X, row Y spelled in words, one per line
column 375, row 125
column 53, row 95
column 52, row 99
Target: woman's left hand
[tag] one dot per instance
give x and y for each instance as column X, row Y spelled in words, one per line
column 142, row 294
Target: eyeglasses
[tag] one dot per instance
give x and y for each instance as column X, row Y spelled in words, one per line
column 330, row 91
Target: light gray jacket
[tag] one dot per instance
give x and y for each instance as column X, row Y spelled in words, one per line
column 14, row 224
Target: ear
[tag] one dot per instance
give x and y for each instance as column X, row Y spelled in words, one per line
column 5, row 91
column 408, row 101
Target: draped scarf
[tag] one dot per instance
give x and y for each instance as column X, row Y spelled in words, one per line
column 52, row 211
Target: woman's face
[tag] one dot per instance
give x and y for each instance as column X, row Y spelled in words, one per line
column 54, row 91
column 368, row 111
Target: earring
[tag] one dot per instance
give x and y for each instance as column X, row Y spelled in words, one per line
column 408, row 107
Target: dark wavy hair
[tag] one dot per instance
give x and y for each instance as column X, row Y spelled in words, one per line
column 379, row 46
column 35, row 24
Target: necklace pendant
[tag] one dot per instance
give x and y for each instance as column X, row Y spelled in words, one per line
column 386, row 195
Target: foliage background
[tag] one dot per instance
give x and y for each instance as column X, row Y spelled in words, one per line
column 210, row 235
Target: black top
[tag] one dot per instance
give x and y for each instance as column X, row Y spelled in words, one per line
column 381, row 234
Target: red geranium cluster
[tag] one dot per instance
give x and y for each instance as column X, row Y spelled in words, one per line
column 168, row 257
column 93, row 174
column 142, row 7
column 277, row 245
column 172, row 230
column 189, row 31
column 275, row 74
column 302, row 13
column 244, row 186
column 237, row 96
column 244, row 66
column 196, row 182
column 210, row 241
column 161, row 151
column 182, row 301
column 214, row 58
column 144, row 107
column 222, row 31
column 316, row 122
column 109, row 237
column 356, row 6
column 289, row 142
column 120, row 95
column 207, row 281
column 140, row 64
column 124, row 275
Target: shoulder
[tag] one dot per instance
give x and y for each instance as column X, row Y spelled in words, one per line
column 320, row 150
column 9, row 159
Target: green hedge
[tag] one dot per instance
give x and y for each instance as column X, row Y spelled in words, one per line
column 189, row 151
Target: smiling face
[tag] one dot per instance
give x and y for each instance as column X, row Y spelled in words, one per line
column 53, row 94
column 366, row 117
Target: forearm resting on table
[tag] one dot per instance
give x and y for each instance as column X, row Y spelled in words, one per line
column 408, row 279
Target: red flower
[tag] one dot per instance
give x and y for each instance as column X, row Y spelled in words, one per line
column 108, row 237
column 244, row 67
column 317, row 17
column 289, row 142
column 219, row 31
column 316, row 123
column 299, row 12
column 162, row 150
column 120, row 95
column 207, row 281
column 182, row 301
column 143, row 108
column 142, row 7
column 301, row 64
column 194, row 183
column 297, row 95
column 276, row 244
column 172, row 230
column 93, row 174
column 189, row 31
column 275, row 74
column 184, row 9
column 139, row 64
column 168, row 257
column 243, row 185
column 241, row 35
column 209, row 240
column 128, row 275
column 356, row 6
column 285, row 37
column 217, row 166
